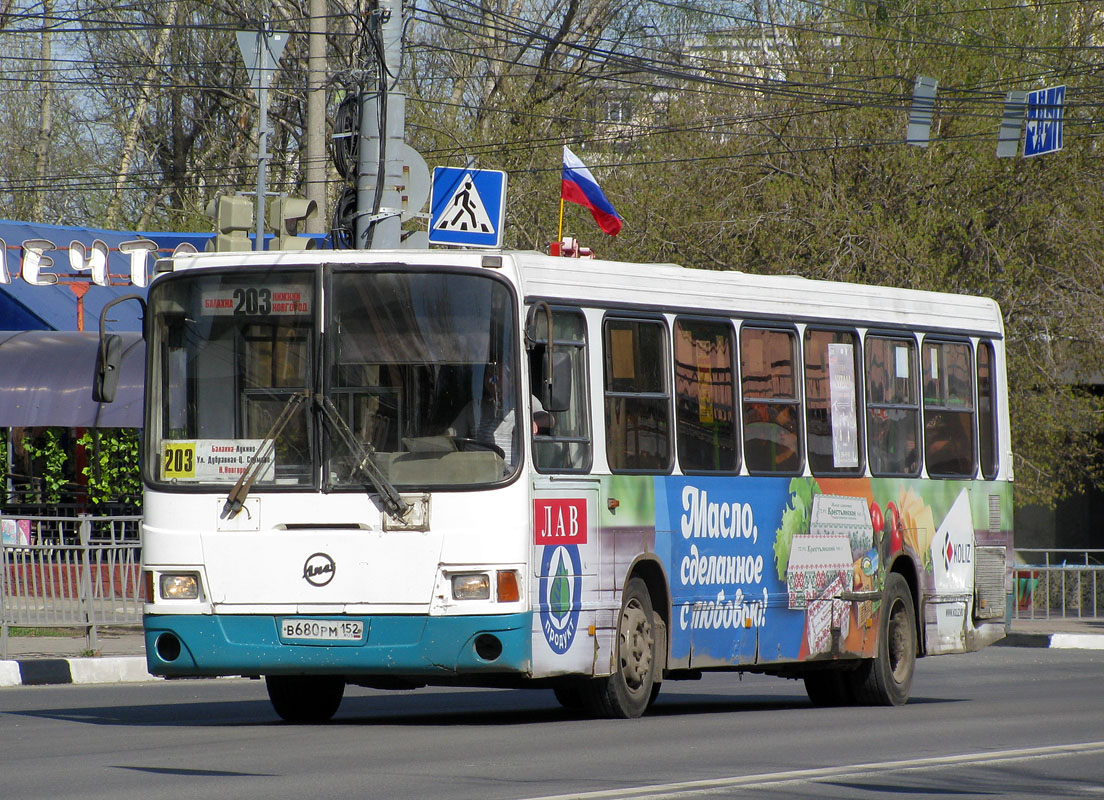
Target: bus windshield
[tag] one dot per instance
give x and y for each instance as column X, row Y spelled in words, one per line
column 421, row 368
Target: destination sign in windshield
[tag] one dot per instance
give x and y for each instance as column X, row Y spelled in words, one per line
column 255, row 301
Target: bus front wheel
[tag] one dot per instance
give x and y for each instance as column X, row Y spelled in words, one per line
column 887, row 679
column 829, row 686
column 305, row 698
column 628, row 692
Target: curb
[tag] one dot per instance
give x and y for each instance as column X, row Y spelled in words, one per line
column 49, row 671
column 1057, row 641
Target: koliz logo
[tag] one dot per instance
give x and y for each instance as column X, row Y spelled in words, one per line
column 561, row 587
column 961, row 553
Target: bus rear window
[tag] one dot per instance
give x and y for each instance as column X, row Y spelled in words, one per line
column 987, row 411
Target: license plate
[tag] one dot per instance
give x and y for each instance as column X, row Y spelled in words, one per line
column 322, row 630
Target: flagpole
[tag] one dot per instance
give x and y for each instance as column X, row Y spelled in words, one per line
column 559, row 236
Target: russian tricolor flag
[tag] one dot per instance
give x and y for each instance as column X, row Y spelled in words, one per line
column 580, row 187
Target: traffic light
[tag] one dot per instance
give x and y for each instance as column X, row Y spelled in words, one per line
column 233, row 218
column 284, row 214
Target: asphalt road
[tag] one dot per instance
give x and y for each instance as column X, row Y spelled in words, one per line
column 1007, row 722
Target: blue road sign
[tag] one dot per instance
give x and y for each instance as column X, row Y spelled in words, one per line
column 467, row 207
column 1044, row 121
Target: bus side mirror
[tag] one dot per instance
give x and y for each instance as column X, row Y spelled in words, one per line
column 556, row 381
column 109, row 357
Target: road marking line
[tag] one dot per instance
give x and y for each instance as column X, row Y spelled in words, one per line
column 687, row 788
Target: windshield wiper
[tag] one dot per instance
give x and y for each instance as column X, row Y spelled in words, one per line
column 362, row 453
column 236, row 499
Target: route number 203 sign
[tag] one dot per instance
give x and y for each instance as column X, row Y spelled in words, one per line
column 211, row 460
column 256, row 301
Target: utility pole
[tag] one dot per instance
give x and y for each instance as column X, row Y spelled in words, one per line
column 46, row 116
column 316, row 115
column 261, row 52
column 382, row 128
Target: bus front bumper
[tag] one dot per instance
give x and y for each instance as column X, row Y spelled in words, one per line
column 415, row 646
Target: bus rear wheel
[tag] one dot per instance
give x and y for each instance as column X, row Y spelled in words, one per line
column 886, row 680
column 305, row 698
column 629, row 691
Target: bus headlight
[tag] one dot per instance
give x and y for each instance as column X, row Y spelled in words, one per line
column 179, row 587
column 471, row 586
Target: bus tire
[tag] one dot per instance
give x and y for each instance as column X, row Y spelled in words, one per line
column 570, row 694
column 828, row 687
column 627, row 693
column 305, row 699
column 886, row 679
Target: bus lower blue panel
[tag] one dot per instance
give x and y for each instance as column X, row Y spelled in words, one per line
column 190, row 645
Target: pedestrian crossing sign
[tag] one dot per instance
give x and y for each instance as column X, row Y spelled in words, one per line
column 467, row 207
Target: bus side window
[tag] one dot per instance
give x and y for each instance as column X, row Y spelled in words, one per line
column 637, row 398
column 771, row 407
column 987, row 411
column 705, row 394
column 948, row 409
column 561, row 441
column 892, row 406
column 831, row 401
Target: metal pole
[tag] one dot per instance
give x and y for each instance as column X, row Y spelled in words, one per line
column 316, row 116
column 262, row 136
column 87, row 601
column 382, row 131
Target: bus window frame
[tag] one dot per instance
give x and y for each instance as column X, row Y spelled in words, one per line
column 737, row 431
column 993, row 410
column 666, row 395
column 798, row 400
column 937, row 339
column 530, row 315
column 860, row 399
column 155, row 405
column 910, row 336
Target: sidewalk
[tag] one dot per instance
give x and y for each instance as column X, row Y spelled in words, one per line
column 1084, row 634
column 38, row 660
column 121, row 652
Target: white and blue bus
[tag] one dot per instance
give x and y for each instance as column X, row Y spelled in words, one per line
column 402, row 468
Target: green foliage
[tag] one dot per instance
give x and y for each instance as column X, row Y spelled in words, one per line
column 811, row 176
column 764, row 137
column 50, row 455
column 112, row 469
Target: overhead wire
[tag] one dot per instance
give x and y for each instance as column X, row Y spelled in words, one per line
column 718, row 82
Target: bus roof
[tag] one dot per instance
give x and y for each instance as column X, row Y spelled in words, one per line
column 670, row 288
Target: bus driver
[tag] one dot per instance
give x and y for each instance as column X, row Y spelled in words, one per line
column 489, row 417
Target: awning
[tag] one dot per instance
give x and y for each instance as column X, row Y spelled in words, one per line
column 74, row 302
column 46, row 380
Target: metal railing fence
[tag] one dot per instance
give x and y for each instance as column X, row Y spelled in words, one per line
column 69, row 572
column 1058, row 584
